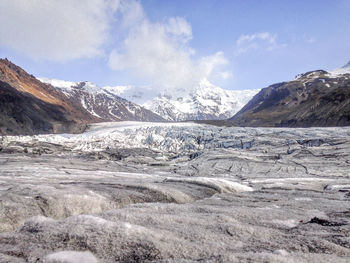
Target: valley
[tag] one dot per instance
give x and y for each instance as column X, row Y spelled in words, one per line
column 157, row 131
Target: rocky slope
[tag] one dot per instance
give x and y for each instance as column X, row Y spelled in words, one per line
column 22, row 113
column 317, row 98
column 29, row 106
column 102, row 103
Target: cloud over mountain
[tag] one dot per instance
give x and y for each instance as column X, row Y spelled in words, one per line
column 160, row 52
column 157, row 53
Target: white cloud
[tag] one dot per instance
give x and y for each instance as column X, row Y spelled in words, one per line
column 225, row 74
column 57, row 30
column 160, row 53
column 132, row 12
column 258, row 41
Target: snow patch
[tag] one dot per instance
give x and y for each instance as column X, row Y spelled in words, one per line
column 303, row 199
column 39, row 220
column 219, row 184
column 338, row 72
column 338, row 187
column 71, row 257
column 288, row 223
column 281, row 252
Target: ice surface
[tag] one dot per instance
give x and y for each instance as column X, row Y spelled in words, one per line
column 219, row 184
column 70, row 257
column 181, row 192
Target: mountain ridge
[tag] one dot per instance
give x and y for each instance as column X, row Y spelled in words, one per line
column 102, row 102
column 205, row 102
column 32, row 96
column 29, row 106
column 315, row 98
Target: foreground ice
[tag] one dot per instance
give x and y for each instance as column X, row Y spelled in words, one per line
column 70, row 257
column 150, row 192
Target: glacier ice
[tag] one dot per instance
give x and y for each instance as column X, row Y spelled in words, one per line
column 176, row 192
column 71, row 257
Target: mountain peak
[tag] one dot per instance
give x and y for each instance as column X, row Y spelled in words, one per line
column 205, row 102
column 103, row 102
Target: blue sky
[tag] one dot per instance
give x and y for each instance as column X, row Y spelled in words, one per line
column 174, row 44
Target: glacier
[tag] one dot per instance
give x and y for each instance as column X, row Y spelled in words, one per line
column 176, row 192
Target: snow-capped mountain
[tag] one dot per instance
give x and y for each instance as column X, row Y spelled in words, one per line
column 139, row 95
column 205, row 102
column 103, row 103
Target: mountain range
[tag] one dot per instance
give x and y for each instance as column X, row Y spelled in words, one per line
column 204, row 102
column 30, row 105
column 103, row 103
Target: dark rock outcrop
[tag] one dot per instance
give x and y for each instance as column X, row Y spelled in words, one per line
column 23, row 113
column 29, row 106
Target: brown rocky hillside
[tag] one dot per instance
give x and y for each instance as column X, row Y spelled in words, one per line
column 316, row 98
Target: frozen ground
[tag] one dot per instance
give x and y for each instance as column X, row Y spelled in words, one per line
column 147, row 192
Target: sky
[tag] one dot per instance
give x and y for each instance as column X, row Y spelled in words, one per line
column 174, row 44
